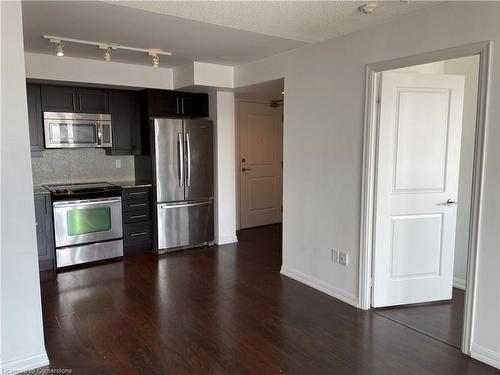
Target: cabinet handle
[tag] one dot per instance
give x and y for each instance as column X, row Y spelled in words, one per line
column 138, row 234
column 137, row 193
column 138, row 205
column 137, row 216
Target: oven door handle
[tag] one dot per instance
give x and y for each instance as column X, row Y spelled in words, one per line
column 87, row 202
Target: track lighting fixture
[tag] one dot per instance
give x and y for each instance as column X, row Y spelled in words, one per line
column 60, row 49
column 107, row 47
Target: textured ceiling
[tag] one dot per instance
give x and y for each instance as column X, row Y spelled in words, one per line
column 305, row 21
column 220, row 32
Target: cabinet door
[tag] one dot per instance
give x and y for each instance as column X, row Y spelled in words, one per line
column 43, row 219
column 163, row 103
column 125, row 122
column 194, row 105
column 92, row 100
column 58, row 99
column 35, row 119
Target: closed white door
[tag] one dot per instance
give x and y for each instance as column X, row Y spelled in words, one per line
column 416, row 189
column 261, row 155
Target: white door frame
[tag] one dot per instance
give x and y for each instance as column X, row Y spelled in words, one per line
column 373, row 72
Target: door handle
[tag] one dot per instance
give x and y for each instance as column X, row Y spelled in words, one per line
column 180, row 147
column 450, row 202
column 99, row 133
column 245, row 169
column 185, row 204
column 188, row 152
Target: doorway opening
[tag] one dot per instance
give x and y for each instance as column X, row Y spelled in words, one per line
column 259, row 139
column 424, row 138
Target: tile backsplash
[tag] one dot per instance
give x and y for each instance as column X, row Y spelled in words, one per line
column 80, row 165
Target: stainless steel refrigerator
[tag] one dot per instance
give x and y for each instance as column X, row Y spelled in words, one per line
column 182, row 160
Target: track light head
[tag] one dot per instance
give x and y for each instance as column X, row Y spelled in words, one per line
column 155, row 60
column 60, row 49
column 107, row 54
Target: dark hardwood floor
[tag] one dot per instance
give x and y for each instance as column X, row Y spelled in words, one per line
column 224, row 310
column 441, row 320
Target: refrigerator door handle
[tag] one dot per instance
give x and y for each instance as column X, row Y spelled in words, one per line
column 163, row 206
column 180, row 148
column 188, row 145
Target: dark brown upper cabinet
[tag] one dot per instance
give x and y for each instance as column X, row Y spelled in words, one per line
column 162, row 103
column 59, row 99
column 165, row 103
column 92, row 100
column 35, row 120
column 125, row 119
column 74, row 99
column 194, row 105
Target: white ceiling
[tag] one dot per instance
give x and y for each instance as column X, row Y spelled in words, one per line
column 305, row 21
column 221, row 32
column 262, row 92
column 103, row 22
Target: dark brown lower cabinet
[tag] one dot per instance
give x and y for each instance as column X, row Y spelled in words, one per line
column 44, row 232
column 136, row 217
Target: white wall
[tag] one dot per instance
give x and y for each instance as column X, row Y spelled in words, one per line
column 51, row 67
column 222, row 108
column 323, row 140
column 203, row 75
column 21, row 331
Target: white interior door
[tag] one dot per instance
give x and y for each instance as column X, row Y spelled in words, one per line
column 261, row 155
column 418, row 165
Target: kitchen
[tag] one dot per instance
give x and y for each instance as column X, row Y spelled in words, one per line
column 118, row 172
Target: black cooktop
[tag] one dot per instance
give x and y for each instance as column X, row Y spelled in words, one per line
column 84, row 190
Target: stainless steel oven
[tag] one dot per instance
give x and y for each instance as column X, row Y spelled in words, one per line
column 87, row 230
column 70, row 130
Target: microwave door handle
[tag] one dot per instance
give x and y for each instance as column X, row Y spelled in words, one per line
column 99, row 133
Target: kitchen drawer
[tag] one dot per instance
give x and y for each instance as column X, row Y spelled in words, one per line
column 142, row 193
column 136, row 216
column 137, row 233
column 135, row 205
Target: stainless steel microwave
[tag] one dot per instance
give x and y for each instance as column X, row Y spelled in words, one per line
column 71, row 130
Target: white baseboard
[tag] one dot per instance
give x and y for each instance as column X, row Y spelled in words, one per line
column 458, row 283
column 223, row 240
column 326, row 288
column 24, row 364
column 485, row 355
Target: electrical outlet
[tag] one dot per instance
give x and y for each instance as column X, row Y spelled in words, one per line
column 335, row 256
column 118, row 163
column 342, row 258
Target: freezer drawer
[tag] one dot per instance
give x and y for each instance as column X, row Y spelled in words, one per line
column 184, row 224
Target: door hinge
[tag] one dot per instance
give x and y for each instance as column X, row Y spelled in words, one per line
column 371, row 282
column 378, row 101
